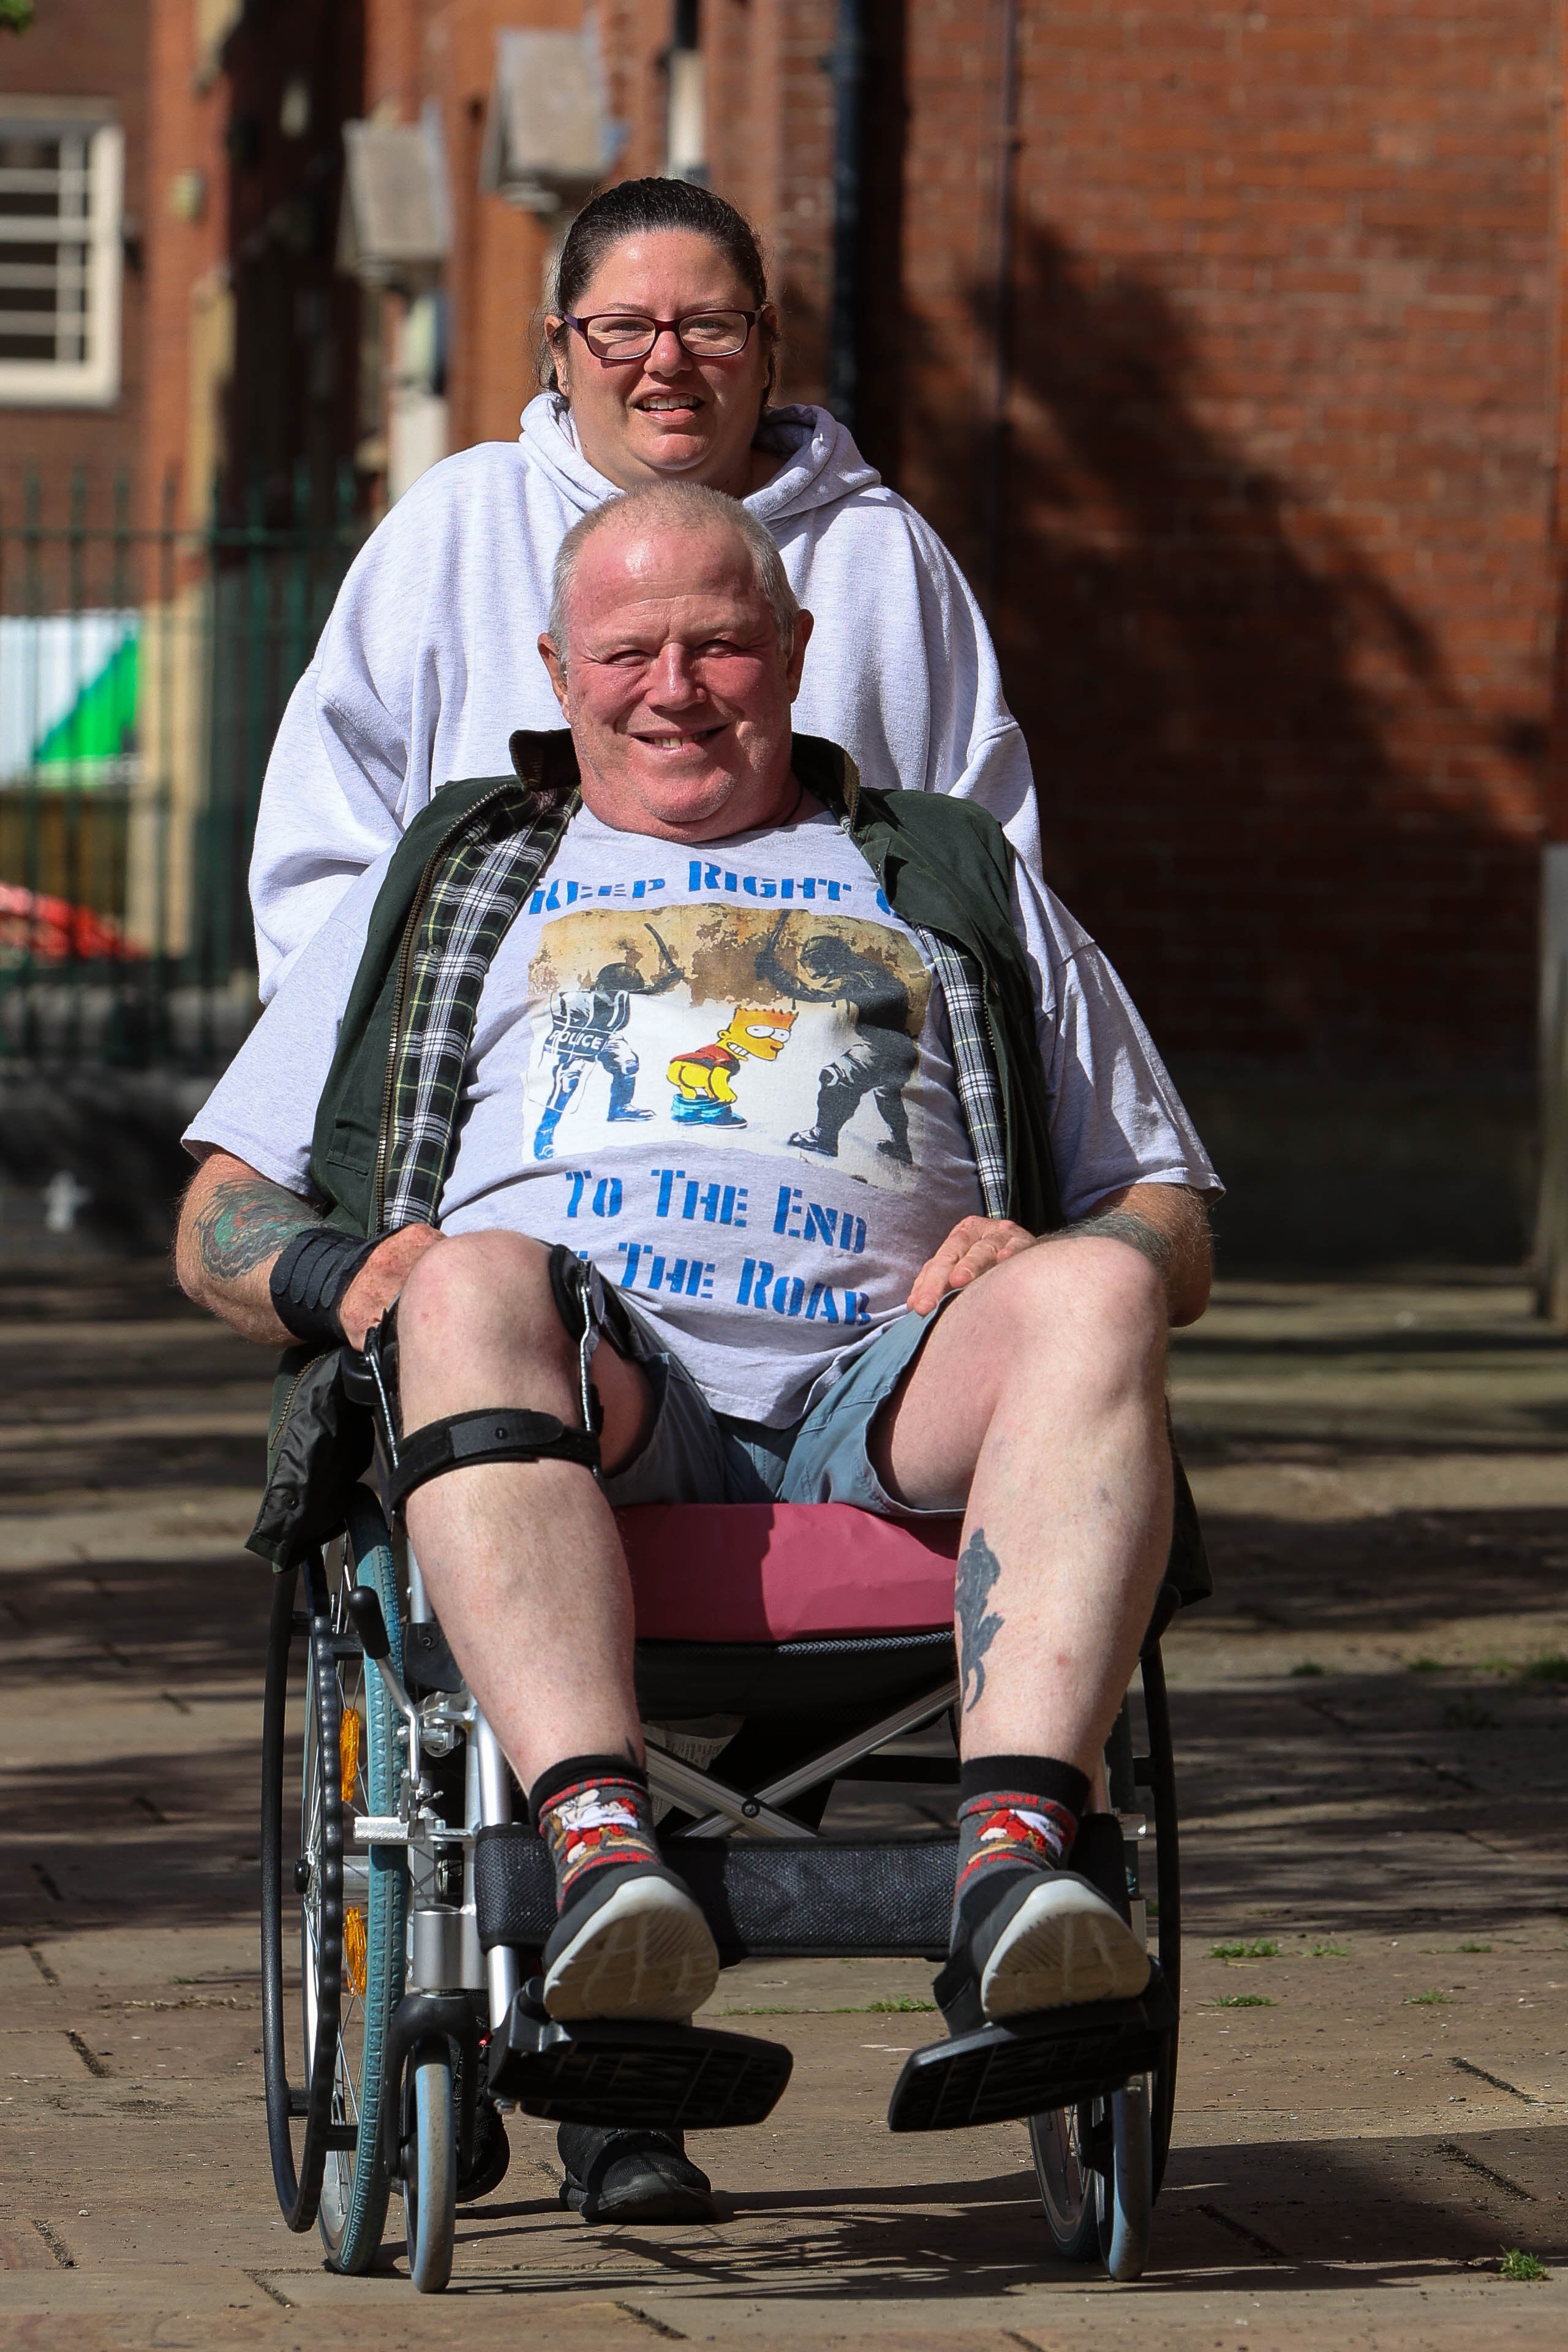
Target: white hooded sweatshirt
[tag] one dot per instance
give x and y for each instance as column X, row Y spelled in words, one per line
column 429, row 660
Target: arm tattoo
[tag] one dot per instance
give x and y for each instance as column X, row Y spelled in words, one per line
column 245, row 1224
column 978, row 1569
column 1126, row 1225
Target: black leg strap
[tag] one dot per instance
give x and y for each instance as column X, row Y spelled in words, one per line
column 504, row 1433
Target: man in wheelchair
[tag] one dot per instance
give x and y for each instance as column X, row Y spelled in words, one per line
column 680, row 1122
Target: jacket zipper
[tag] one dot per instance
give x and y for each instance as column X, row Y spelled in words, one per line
column 289, row 1400
column 1002, row 1103
column 405, row 962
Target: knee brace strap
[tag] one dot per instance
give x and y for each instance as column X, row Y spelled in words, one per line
column 502, row 1434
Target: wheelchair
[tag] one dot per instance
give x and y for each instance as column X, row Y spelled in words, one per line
column 782, row 1651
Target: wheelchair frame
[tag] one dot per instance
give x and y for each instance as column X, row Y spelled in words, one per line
column 420, row 1898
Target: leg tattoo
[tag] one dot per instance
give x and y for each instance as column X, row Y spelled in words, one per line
column 978, row 1569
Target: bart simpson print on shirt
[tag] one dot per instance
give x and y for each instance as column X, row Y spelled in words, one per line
column 703, row 1079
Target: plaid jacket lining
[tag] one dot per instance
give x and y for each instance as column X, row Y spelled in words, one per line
column 979, row 1095
column 472, row 903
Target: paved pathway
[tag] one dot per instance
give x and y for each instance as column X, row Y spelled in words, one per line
column 1371, row 1735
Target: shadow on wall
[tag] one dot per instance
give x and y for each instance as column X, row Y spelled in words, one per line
column 1314, row 862
column 1258, row 780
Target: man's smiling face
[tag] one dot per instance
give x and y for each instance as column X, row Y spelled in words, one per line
column 674, row 684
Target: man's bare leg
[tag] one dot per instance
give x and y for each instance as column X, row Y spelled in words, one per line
column 522, row 1559
column 1040, row 1394
column 527, row 1574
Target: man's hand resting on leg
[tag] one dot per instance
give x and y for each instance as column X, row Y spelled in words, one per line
column 235, row 1224
column 1166, row 1223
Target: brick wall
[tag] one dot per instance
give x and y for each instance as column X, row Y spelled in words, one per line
column 1264, row 520
column 78, row 48
column 187, row 270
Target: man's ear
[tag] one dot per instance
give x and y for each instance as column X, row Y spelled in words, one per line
column 557, row 668
column 805, row 624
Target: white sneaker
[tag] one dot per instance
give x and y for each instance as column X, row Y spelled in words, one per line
column 1052, row 1941
column 636, row 1945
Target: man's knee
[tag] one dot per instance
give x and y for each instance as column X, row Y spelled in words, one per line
column 479, row 1292
column 1093, row 1298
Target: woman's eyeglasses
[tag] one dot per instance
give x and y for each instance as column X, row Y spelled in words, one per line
column 617, row 335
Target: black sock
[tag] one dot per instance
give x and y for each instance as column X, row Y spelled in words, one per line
column 593, row 1812
column 1014, row 1813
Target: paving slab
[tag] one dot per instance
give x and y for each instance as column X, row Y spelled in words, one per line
column 1369, row 1723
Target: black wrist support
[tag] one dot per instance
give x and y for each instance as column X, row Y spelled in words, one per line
column 310, row 1278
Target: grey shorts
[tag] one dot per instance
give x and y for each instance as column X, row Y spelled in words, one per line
column 696, row 1456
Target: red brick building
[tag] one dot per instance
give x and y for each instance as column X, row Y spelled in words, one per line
column 73, row 180
column 1222, row 344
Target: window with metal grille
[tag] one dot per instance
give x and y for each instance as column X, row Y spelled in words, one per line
column 60, row 195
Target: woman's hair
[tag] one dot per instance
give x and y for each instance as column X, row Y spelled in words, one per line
column 636, row 208
column 691, row 508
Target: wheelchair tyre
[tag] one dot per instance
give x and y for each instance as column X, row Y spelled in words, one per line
column 430, row 2167
column 352, row 1915
column 356, row 2182
column 1067, row 2182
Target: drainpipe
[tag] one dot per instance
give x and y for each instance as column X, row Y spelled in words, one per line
column 847, row 66
column 1002, row 311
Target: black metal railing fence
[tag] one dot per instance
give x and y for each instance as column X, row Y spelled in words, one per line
column 144, row 669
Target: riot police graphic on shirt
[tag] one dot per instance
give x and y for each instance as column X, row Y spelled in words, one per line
column 883, row 1055
column 793, row 1031
column 587, row 1025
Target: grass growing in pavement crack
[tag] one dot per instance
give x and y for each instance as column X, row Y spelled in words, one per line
column 1466, row 1716
column 1430, row 1999
column 1525, row 2269
column 1475, row 1948
column 1330, row 1952
column 1261, row 1948
column 1241, row 2001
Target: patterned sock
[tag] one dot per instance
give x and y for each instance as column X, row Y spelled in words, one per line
column 593, row 1813
column 1016, row 1813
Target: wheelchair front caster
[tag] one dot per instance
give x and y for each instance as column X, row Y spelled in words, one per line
column 1094, row 2163
column 430, row 2167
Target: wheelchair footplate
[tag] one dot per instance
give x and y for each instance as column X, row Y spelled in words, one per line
column 1028, row 2065
column 625, row 2071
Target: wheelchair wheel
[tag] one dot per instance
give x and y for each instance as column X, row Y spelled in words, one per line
column 1158, row 1775
column 1058, row 2142
column 352, row 1911
column 430, row 2166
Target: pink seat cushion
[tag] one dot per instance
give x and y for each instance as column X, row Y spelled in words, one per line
column 785, row 1571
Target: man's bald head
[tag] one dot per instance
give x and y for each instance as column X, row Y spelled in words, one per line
column 675, row 649
column 667, row 513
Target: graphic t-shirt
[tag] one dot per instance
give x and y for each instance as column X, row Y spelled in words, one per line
column 725, row 1077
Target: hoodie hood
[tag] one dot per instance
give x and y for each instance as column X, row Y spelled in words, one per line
column 821, row 464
